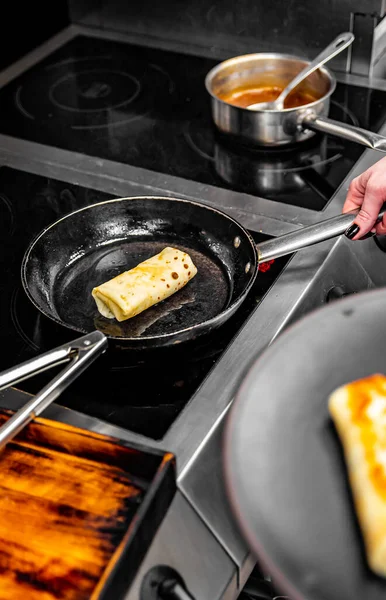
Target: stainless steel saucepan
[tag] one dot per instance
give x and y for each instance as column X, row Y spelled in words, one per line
column 277, row 128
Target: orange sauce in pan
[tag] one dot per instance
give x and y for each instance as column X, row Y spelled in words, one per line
column 244, row 97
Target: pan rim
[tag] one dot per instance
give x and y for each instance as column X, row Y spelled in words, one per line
column 139, row 339
column 229, row 462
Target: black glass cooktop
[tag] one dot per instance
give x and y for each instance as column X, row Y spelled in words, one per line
column 143, row 392
column 149, row 108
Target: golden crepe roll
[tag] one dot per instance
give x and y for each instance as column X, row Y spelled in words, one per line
column 151, row 281
column 358, row 410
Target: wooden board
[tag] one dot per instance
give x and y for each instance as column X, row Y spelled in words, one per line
column 67, row 499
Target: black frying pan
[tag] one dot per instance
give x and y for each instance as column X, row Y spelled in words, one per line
column 285, row 471
column 96, row 243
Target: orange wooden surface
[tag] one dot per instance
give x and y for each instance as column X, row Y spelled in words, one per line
column 66, row 501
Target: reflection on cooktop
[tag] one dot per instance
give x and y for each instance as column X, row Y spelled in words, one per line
column 309, row 175
column 92, row 93
column 149, row 108
column 141, row 391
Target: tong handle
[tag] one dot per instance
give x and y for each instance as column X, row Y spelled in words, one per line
column 34, row 366
column 81, row 352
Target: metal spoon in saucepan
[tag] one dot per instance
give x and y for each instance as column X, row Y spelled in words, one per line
column 338, row 45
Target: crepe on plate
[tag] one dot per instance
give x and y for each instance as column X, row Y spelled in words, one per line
column 358, row 410
column 153, row 280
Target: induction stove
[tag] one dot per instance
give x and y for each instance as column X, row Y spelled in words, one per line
column 149, row 108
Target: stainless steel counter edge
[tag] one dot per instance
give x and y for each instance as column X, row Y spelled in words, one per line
column 124, row 180
column 72, row 30
column 202, row 472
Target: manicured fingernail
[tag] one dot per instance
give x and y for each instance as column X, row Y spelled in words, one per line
column 351, row 231
column 373, row 230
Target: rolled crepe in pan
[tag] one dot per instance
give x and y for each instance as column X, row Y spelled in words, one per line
column 358, row 410
column 153, row 280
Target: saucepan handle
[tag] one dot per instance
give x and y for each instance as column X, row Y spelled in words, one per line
column 354, row 134
column 79, row 354
column 308, row 236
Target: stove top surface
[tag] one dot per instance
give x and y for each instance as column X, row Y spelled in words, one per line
column 142, row 392
column 149, row 108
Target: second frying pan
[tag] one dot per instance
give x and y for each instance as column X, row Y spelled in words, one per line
column 92, row 245
column 284, row 463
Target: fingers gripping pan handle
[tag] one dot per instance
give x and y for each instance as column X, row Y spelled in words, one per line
column 308, row 236
column 79, row 353
column 347, row 132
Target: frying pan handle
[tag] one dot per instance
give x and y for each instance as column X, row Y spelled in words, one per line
column 308, row 236
column 354, row 134
column 79, row 353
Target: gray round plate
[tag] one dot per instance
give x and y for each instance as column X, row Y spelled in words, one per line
column 284, row 465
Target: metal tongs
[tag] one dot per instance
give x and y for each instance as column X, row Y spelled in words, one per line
column 80, row 353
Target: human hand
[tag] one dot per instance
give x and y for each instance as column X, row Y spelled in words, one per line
column 367, row 192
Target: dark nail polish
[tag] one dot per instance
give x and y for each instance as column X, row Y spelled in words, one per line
column 367, row 236
column 351, row 231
